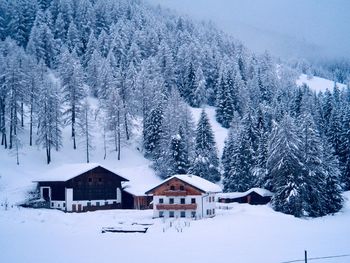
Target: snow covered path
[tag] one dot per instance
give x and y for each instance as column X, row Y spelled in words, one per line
column 244, row 234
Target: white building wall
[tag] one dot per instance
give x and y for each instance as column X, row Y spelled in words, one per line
column 69, row 199
column 205, row 205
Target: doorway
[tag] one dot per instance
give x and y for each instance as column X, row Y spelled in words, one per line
column 46, row 194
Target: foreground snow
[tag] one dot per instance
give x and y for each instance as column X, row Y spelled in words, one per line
column 318, row 84
column 244, row 234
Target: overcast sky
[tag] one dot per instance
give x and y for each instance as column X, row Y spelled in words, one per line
column 315, row 28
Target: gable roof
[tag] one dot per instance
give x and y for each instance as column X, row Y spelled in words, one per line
column 66, row 172
column 260, row 191
column 195, row 181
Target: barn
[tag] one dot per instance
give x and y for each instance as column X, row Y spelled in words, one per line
column 254, row 196
column 81, row 187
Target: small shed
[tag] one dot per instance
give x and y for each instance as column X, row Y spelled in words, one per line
column 254, row 196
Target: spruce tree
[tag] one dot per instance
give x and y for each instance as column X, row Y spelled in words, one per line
column 205, row 163
column 286, row 168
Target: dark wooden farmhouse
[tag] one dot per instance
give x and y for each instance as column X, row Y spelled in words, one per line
column 81, row 187
column 254, row 196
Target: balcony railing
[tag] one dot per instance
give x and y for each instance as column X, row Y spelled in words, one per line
column 176, row 206
column 175, row 193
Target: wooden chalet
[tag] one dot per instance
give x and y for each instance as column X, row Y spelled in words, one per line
column 184, row 196
column 81, row 187
column 254, row 196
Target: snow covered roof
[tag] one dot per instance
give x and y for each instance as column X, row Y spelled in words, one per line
column 260, row 191
column 68, row 171
column 196, row 181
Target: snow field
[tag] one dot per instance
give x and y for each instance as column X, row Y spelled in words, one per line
column 244, row 233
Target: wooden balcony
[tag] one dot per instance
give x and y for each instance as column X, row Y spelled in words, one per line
column 175, row 193
column 176, row 206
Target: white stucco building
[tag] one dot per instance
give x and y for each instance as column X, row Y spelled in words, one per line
column 184, row 196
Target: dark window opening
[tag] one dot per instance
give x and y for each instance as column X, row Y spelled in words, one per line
column 88, row 203
column 99, row 180
column 90, row 180
column 182, row 188
column 182, row 201
column 172, row 188
column 161, row 201
column 183, row 214
column 193, row 200
column 171, row 200
column 171, row 214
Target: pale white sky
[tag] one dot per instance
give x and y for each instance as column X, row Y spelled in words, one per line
column 286, row 27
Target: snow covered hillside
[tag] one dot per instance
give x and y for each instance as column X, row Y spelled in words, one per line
column 249, row 234
column 318, row 84
column 16, row 180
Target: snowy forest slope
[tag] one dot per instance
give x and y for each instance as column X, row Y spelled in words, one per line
column 115, row 79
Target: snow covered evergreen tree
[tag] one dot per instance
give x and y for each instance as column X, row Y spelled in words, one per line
column 286, row 168
column 49, row 115
column 73, row 89
column 206, row 162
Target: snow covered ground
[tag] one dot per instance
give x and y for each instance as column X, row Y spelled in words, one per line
column 318, row 84
column 245, row 234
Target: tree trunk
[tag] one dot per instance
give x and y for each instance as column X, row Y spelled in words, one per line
column 22, row 114
column 31, row 125
column 118, row 120
column 87, row 136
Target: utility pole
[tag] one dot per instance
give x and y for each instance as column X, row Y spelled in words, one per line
column 305, row 256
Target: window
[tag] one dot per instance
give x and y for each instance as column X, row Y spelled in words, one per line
column 171, row 200
column 100, row 180
column 161, row 200
column 182, row 214
column 213, row 211
column 90, row 179
column 52, row 204
column 193, row 214
column 58, row 205
column 193, row 200
column 172, row 188
column 161, row 213
column 88, row 203
column 97, row 203
column 182, row 188
column 171, row 214
column 64, row 204
column 207, row 211
column 182, row 200
column 106, row 202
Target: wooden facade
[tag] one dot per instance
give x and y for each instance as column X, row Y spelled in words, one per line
column 133, row 201
column 175, row 187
